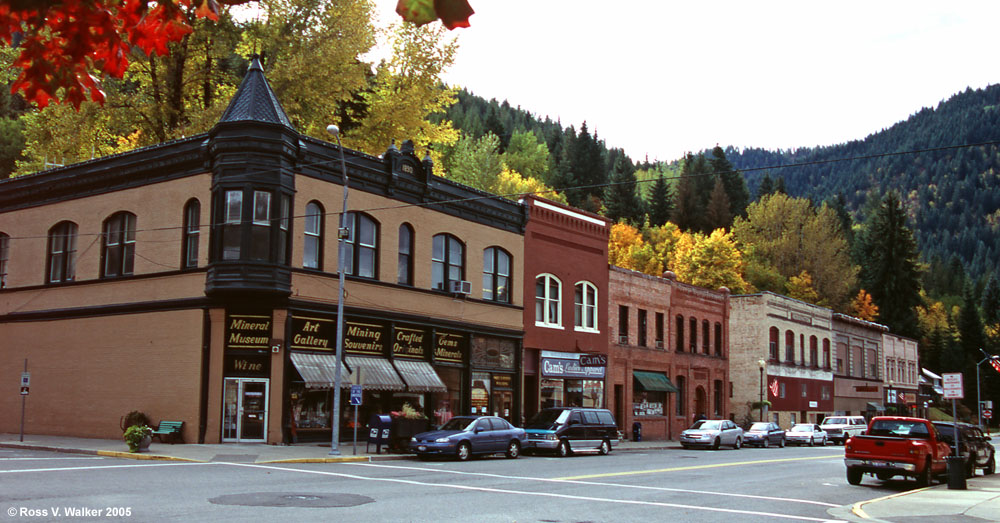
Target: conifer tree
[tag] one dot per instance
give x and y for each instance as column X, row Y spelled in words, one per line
column 970, row 326
column 620, row 199
column 718, row 215
column 661, row 202
column 779, row 186
column 732, row 181
column 686, row 209
column 766, row 186
column 991, row 301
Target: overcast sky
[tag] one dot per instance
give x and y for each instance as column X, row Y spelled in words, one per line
column 659, row 78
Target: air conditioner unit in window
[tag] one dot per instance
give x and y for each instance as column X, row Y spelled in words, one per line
column 623, row 339
column 459, row 287
column 659, row 344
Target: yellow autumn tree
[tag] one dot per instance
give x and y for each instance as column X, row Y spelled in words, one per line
column 628, row 250
column 801, row 288
column 510, row 184
column 663, row 239
column 710, row 261
column 863, row 307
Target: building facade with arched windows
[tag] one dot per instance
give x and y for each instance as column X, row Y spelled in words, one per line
column 196, row 280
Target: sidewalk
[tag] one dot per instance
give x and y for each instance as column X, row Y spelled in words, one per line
column 980, row 502
column 235, row 452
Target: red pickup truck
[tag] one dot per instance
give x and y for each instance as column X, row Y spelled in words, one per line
column 896, row 446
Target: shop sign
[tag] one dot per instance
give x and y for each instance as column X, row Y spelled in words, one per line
column 448, row 347
column 364, row 338
column 566, row 368
column 593, row 360
column 909, row 397
column 409, row 342
column 502, row 381
column 248, row 331
column 253, row 366
column 492, row 353
column 865, row 388
column 314, row 333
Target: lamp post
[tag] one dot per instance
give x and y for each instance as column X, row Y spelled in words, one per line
column 761, row 363
column 890, row 398
column 979, row 400
column 341, row 237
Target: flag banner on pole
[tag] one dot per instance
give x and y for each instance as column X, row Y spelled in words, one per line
column 774, row 388
column 995, row 361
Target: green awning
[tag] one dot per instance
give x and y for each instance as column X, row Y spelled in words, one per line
column 875, row 406
column 653, row 381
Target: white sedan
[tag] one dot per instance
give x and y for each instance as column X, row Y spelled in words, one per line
column 806, row 433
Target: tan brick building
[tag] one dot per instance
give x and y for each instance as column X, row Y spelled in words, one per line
column 858, row 366
column 901, row 374
column 669, row 352
column 196, row 280
column 780, row 351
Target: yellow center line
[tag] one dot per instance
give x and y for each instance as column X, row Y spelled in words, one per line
column 696, row 467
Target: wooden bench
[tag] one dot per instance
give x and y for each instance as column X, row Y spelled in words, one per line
column 171, row 429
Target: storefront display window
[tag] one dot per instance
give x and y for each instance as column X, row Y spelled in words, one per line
column 552, row 393
column 446, row 404
column 572, row 393
column 480, row 393
column 648, row 403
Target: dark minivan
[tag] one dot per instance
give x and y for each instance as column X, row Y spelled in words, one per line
column 572, row 429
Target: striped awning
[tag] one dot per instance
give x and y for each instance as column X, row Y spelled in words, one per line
column 317, row 370
column 419, row 376
column 376, row 373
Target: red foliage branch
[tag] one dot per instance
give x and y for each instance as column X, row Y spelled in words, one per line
column 62, row 41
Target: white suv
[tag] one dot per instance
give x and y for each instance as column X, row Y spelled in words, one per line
column 840, row 428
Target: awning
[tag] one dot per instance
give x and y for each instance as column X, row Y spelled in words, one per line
column 317, row 370
column 875, row 406
column 653, row 381
column 419, row 376
column 377, row 373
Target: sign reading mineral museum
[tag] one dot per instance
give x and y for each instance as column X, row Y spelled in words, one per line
column 248, row 331
column 448, row 347
column 310, row 333
column 364, row 338
column 409, row 342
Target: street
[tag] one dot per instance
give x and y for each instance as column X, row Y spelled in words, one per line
column 798, row 484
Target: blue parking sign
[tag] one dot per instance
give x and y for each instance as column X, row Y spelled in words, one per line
column 355, row 394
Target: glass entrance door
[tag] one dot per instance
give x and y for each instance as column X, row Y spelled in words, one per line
column 244, row 416
column 502, row 401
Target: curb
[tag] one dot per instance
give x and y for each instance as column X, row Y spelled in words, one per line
column 343, row 459
column 146, row 457
column 858, row 510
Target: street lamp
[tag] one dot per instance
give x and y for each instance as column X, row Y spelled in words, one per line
column 979, row 400
column 341, row 247
column 761, row 363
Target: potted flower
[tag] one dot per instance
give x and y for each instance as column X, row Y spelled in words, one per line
column 138, row 438
column 406, row 422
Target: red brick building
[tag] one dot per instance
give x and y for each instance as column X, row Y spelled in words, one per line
column 566, row 270
column 669, row 352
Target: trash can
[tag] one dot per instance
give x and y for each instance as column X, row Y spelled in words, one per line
column 956, row 473
column 637, row 431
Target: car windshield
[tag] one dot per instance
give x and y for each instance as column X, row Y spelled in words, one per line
column 458, row 424
column 759, row 426
column 548, row 418
column 835, row 421
column 802, row 428
column 707, row 425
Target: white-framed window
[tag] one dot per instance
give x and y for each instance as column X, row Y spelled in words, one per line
column 312, row 246
column 548, row 305
column 586, row 307
column 496, row 274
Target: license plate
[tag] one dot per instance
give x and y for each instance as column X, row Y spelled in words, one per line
column 422, row 447
column 878, row 463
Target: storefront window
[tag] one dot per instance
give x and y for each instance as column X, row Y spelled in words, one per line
column 480, row 393
column 572, row 393
column 552, row 393
column 648, row 403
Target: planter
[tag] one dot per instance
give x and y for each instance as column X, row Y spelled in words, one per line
column 402, row 429
column 144, row 444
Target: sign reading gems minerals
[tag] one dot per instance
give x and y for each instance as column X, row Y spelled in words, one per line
column 448, row 347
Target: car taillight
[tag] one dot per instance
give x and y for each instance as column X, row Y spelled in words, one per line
column 915, row 448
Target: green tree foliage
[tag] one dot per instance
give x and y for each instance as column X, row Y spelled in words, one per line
column 970, row 327
column 732, row 181
column 528, row 155
column 476, row 163
column 890, row 271
column 991, row 301
column 620, row 199
column 718, row 214
column 661, row 202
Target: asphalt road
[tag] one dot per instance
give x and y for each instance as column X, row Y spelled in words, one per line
column 794, row 484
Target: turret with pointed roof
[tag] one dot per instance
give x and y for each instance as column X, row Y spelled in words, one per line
column 255, row 101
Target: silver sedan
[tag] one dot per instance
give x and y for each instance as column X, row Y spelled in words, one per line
column 806, row 434
column 712, row 433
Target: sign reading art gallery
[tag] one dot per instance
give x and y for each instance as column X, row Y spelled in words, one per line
column 448, row 347
column 309, row 333
column 409, row 342
column 364, row 338
column 248, row 331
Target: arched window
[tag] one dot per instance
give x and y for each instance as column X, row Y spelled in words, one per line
column 773, row 344
column 826, row 354
column 813, row 351
column 118, row 253
column 679, row 340
column 717, row 398
column 404, row 266
column 192, row 233
column 718, row 339
column 62, row 253
column 361, row 246
column 704, row 336
column 681, row 393
column 312, row 228
column 693, row 327
column 447, row 261
column 496, row 274
column 548, row 301
column 585, row 310
column 789, row 347
column 4, row 256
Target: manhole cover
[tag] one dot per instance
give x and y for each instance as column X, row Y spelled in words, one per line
column 285, row 499
column 235, row 458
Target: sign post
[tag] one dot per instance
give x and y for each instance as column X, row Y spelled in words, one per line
column 953, row 390
column 357, row 392
column 25, row 384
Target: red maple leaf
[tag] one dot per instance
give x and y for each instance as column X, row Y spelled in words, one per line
column 453, row 13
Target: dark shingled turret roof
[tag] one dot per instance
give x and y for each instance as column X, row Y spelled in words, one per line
column 255, row 101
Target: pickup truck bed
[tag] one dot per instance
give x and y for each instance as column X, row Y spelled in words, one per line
column 896, row 446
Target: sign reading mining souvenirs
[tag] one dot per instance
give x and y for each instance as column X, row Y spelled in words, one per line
column 448, row 347
column 364, row 338
column 410, row 343
column 310, row 333
column 248, row 331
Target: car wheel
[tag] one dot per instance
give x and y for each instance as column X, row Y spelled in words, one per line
column 715, row 446
column 991, row 465
column 513, row 449
column 684, row 446
column 812, row 442
column 781, row 444
column 824, row 441
column 738, row 444
column 463, row 452
column 605, row 448
column 970, row 467
column 563, row 449
column 854, row 476
column 766, row 444
column 924, row 478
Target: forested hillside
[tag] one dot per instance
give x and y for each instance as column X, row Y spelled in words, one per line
column 952, row 194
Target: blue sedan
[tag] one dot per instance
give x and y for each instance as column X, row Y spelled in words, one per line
column 465, row 436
